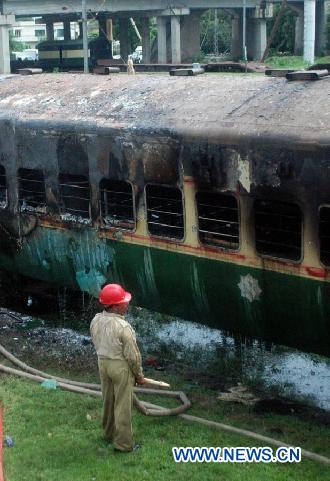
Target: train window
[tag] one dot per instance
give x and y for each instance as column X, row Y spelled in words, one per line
column 117, row 204
column 324, row 219
column 165, row 211
column 3, row 188
column 75, row 197
column 32, row 193
column 218, row 219
column 278, row 227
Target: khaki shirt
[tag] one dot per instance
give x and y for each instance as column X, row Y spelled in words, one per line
column 114, row 338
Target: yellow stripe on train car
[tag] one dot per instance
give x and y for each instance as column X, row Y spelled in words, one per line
column 55, row 54
column 74, row 53
column 46, row 55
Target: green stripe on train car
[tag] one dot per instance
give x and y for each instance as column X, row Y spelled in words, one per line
column 286, row 309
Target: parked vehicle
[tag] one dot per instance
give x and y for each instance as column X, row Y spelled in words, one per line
column 27, row 54
column 137, row 55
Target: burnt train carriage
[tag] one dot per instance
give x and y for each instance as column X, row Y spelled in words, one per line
column 207, row 197
column 69, row 54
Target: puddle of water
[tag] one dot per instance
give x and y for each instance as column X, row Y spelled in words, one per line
column 299, row 375
column 288, row 372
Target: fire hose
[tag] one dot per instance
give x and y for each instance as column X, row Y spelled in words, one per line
column 94, row 389
column 1, row 441
column 146, row 408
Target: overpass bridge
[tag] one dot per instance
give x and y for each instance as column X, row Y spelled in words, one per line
column 178, row 24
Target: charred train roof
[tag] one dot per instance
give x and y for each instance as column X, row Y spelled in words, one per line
column 227, row 107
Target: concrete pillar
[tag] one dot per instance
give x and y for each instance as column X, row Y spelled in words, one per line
column 190, row 37
column 236, row 36
column 102, row 27
column 176, row 39
column 109, row 29
column 309, row 31
column 123, row 38
column 321, row 25
column 105, row 45
column 50, row 29
column 256, row 37
column 5, row 22
column 4, row 50
column 161, row 39
column 146, row 44
column 260, row 30
column 299, row 34
column 67, row 29
column 105, row 28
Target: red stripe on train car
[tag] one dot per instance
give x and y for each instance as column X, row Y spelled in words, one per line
column 316, row 272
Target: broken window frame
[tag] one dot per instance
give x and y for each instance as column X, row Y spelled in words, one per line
column 325, row 264
column 301, row 232
column 147, row 210
column 238, row 222
column 3, row 188
column 68, row 213
column 121, row 223
column 25, row 204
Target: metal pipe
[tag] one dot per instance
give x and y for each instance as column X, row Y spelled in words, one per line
column 85, row 39
column 135, row 28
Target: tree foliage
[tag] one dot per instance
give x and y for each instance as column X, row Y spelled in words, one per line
column 15, row 45
column 133, row 40
column 208, row 29
column 283, row 42
column 285, row 37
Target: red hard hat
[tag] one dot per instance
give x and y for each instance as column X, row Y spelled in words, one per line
column 114, row 294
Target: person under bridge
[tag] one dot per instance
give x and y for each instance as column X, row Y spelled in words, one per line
column 120, row 365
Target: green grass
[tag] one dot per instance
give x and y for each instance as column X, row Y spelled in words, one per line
column 54, row 440
column 292, row 61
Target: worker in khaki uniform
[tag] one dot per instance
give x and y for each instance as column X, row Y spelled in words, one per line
column 119, row 362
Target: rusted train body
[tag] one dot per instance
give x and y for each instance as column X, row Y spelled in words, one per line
column 208, row 197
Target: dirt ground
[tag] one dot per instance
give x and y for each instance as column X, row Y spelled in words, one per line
column 44, row 346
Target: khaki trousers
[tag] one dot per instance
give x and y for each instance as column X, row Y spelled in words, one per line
column 117, row 382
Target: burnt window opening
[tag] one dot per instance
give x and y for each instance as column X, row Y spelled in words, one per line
column 74, row 197
column 3, row 188
column 278, row 227
column 324, row 227
column 32, row 192
column 165, row 211
column 117, row 204
column 218, row 220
